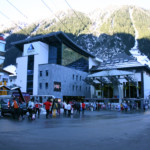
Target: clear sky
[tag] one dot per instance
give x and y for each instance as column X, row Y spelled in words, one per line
column 34, row 9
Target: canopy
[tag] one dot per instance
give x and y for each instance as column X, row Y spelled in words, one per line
column 107, row 73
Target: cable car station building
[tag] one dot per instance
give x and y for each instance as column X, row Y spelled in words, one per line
column 53, row 65
column 121, row 79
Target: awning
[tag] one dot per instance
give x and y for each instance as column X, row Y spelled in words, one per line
column 107, row 73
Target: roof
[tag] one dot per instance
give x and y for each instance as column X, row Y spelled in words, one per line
column 107, row 73
column 121, row 61
column 2, row 70
column 54, row 36
column 3, row 86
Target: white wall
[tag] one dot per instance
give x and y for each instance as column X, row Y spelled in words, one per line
column 41, row 58
column 40, row 53
column 21, row 71
column 137, row 76
column 146, row 85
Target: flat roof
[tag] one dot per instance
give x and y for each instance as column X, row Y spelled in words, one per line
column 54, row 36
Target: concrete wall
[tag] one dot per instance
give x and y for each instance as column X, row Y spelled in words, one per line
column 146, row 85
column 41, row 58
column 21, row 71
column 64, row 75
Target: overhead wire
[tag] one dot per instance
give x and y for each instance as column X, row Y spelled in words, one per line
column 9, row 19
column 17, row 9
column 54, row 14
column 76, row 14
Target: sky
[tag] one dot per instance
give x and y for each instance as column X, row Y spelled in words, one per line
column 32, row 10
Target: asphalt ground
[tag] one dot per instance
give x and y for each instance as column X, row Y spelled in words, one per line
column 103, row 130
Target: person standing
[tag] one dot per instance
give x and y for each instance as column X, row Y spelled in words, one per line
column 47, row 107
column 83, row 107
column 65, row 108
column 16, row 109
column 69, row 109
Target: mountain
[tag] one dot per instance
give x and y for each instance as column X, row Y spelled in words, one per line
column 103, row 32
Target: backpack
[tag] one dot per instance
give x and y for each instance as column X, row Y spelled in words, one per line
column 15, row 104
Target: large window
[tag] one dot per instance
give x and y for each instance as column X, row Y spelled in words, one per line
column 52, row 55
column 30, row 74
column 72, row 59
column 57, row 86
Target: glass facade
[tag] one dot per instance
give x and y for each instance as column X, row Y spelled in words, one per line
column 30, row 71
column 72, row 59
column 54, row 54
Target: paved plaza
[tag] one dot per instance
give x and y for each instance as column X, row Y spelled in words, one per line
column 103, row 130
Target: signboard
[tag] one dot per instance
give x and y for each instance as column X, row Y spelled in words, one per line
column 57, row 86
column 29, row 49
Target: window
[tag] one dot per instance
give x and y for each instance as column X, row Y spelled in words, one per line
column 80, row 87
column 73, row 87
column 80, row 78
column 57, row 86
column 76, row 87
column 46, row 72
column 5, row 79
column 46, row 85
column 40, row 85
column 73, row 77
column 77, row 77
column 40, row 73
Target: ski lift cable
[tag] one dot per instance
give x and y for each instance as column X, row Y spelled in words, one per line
column 54, row 14
column 9, row 19
column 17, row 9
column 76, row 14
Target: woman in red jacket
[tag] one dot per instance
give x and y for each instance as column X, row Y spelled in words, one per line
column 47, row 107
column 83, row 107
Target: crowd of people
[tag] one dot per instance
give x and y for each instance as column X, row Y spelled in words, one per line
column 54, row 108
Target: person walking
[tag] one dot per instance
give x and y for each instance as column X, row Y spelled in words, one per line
column 37, row 108
column 16, row 109
column 31, row 110
column 78, row 107
column 54, row 108
column 47, row 107
column 21, row 110
column 58, row 108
